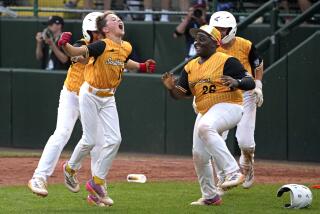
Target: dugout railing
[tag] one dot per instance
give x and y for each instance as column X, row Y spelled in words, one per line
column 271, row 43
column 270, row 7
column 287, row 125
column 270, row 46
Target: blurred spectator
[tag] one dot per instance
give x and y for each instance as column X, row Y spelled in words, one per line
column 4, row 10
column 89, row 4
column 165, row 5
column 13, row 3
column 134, row 5
column 195, row 18
column 226, row 6
column 52, row 57
column 72, row 3
column 8, row 2
column 303, row 5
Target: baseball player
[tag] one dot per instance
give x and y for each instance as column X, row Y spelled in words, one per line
column 216, row 81
column 103, row 75
column 68, row 113
column 246, row 53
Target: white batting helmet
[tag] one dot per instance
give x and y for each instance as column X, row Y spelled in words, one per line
column 226, row 20
column 89, row 24
column 300, row 196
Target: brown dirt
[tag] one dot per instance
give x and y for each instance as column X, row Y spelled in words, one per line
column 17, row 171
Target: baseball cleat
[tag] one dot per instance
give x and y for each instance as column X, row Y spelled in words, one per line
column 220, row 191
column 70, row 179
column 215, row 201
column 38, row 186
column 233, row 180
column 99, row 192
column 248, row 182
column 94, row 201
column 246, row 164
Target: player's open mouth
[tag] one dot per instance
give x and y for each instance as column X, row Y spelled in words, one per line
column 197, row 47
column 121, row 26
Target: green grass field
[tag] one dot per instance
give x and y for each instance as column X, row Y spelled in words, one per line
column 152, row 197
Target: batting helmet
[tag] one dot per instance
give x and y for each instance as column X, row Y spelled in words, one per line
column 300, row 195
column 226, row 20
column 89, row 25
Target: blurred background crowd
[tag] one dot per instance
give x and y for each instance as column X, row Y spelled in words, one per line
column 165, row 8
column 182, row 15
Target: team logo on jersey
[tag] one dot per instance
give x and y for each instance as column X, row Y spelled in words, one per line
column 208, row 80
column 116, row 62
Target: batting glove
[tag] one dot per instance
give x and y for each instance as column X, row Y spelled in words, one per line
column 64, row 38
column 258, row 92
column 148, row 66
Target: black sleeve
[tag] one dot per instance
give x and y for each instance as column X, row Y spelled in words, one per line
column 254, row 59
column 183, row 83
column 131, row 56
column 79, row 43
column 96, row 48
column 235, row 69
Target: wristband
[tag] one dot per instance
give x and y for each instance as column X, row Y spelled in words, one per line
column 143, row 67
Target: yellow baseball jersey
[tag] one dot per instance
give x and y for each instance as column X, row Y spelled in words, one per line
column 105, row 68
column 240, row 49
column 75, row 75
column 205, row 83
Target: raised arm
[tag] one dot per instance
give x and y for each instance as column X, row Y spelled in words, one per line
column 80, row 58
column 148, row 66
column 92, row 50
column 69, row 49
column 39, row 53
column 63, row 58
column 179, row 88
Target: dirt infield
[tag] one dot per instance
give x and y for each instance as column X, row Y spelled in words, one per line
column 17, row 171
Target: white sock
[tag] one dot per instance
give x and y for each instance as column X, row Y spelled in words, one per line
column 148, row 17
column 164, row 17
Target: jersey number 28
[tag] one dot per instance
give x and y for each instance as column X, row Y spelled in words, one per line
column 209, row 89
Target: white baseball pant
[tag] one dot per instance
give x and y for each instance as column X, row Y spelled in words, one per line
column 245, row 129
column 68, row 113
column 95, row 109
column 207, row 143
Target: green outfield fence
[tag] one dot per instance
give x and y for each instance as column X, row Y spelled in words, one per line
column 152, row 122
